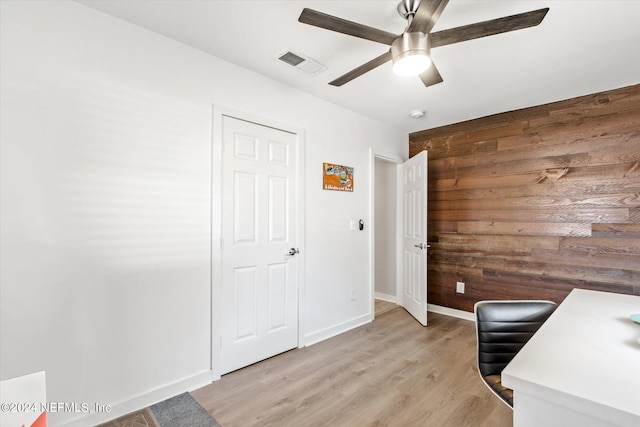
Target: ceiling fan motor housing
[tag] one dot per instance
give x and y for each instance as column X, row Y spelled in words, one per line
column 410, row 46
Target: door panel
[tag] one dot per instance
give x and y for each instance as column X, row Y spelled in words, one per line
column 244, row 286
column 278, row 275
column 414, row 237
column 278, row 199
column 259, row 278
column 245, row 219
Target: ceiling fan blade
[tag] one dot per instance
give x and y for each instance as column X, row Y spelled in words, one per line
column 431, row 76
column 488, row 28
column 357, row 72
column 427, row 15
column 328, row 22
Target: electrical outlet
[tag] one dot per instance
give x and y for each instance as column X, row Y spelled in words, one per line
column 460, row 287
column 352, row 294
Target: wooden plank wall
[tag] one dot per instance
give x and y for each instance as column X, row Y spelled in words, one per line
column 535, row 202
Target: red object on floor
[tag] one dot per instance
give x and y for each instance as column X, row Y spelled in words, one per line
column 41, row 421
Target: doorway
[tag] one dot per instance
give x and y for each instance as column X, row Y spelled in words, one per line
column 385, row 217
column 398, row 244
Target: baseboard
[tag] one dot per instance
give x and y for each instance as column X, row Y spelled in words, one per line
column 451, row 312
column 332, row 331
column 143, row 400
column 386, row 297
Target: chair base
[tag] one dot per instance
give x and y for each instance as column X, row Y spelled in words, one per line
column 495, row 383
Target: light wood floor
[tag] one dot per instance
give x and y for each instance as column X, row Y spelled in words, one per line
column 384, row 306
column 391, row 372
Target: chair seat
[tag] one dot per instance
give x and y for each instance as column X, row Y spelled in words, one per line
column 495, row 382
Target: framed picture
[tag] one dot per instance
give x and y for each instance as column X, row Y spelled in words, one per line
column 337, row 177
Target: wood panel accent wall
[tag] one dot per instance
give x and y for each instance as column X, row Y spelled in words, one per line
column 535, row 202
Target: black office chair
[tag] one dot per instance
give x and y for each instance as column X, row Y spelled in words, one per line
column 502, row 329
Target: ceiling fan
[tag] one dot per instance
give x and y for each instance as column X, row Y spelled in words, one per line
column 410, row 51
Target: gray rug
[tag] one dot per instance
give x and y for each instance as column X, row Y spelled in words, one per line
column 182, row 411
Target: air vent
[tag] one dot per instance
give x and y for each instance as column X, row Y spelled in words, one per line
column 302, row 63
column 291, row 58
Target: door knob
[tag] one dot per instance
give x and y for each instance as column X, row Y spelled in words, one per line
column 422, row 246
column 292, row 251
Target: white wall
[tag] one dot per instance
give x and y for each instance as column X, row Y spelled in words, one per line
column 105, row 245
column 385, row 223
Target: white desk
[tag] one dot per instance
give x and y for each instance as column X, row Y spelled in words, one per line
column 582, row 367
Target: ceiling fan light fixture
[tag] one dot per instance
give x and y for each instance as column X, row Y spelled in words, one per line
column 410, row 54
column 411, row 65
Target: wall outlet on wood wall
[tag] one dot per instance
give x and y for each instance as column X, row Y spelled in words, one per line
column 460, row 287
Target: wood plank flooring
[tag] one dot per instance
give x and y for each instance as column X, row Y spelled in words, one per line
column 383, row 306
column 391, row 372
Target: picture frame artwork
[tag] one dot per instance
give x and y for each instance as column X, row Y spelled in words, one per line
column 337, row 177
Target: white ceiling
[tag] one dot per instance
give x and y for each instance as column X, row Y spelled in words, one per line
column 581, row 47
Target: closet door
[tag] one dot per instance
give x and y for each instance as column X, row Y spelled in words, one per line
column 259, row 252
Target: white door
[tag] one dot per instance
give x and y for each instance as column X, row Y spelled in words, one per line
column 414, row 236
column 259, row 274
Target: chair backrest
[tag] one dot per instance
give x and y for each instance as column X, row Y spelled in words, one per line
column 503, row 328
